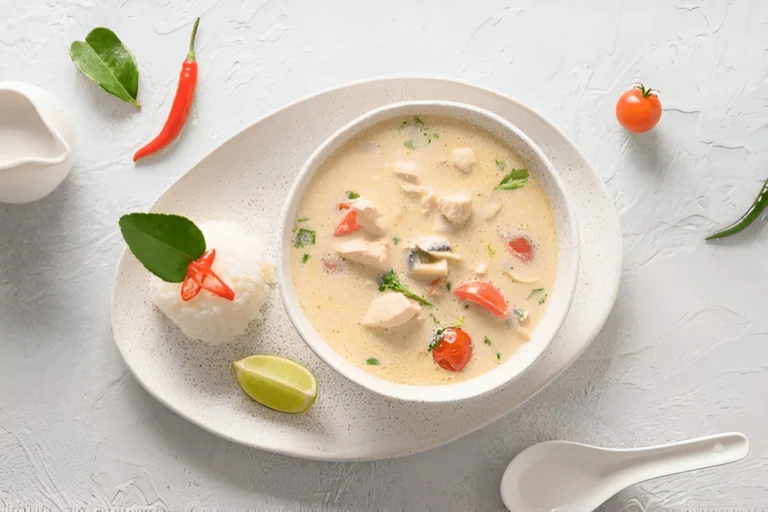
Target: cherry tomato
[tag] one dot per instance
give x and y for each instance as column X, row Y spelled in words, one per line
column 348, row 224
column 483, row 294
column 344, row 205
column 522, row 248
column 200, row 276
column 454, row 350
column 638, row 109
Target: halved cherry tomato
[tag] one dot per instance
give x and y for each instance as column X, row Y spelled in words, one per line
column 483, row 294
column 454, row 350
column 638, row 109
column 347, row 225
column 521, row 247
column 200, row 276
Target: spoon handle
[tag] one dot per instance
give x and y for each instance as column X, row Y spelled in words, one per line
column 642, row 464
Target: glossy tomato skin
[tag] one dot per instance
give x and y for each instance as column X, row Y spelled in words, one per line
column 484, row 294
column 454, row 350
column 638, row 110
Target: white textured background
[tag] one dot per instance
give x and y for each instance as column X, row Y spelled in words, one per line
column 685, row 352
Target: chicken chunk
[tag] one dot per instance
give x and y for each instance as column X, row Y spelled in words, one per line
column 369, row 217
column 456, row 207
column 390, row 310
column 406, row 170
column 481, row 269
column 463, row 159
column 372, row 254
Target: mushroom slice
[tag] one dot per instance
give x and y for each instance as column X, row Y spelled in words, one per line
column 420, row 265
column 438, row 247
column 520, row 272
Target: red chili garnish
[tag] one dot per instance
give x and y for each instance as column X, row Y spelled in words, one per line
column 344, row 205
column 483, row 294
column 521, row 247
column 200, row 276
column 433, row 287
column 348, row 224
column 182, row 103
column 454, row 350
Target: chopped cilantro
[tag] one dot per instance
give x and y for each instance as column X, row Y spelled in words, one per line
column 372, row 361
column 304, row 237
column 515, row 179
column 487, row 341
column 500, row 164
column 417, row 121
column 543, row 299
column 305, row 258
column 448, row 285
column 498, row 356
column 435, row 135
column 395, row 240
column 535, row 291
column 390, row 281
column 351, row 194
column 491, row 251
column 409, row 144
column 302, row 219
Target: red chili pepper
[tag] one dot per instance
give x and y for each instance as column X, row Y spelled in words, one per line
column 182, row 103
column 348, row 224
column 200, row 276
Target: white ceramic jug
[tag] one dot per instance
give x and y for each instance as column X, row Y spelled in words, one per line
column 37, row 142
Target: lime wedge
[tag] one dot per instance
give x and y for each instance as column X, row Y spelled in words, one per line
column 277, row 383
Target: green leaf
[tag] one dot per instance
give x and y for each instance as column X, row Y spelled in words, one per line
column 409, row 144
column 500, row 164
column 395, row 240
column 515, row 179
column 417, row 121
column 103, row 58
column 491, row 251
column 351, row 194
column 164, row 244
column 390, row 281
column 487, row 340
column 305, row 258
column 304, row 237
column 372, row 361
column 498, row 356
column 535, row 291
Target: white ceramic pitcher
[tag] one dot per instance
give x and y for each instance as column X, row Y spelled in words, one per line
column 37, row 142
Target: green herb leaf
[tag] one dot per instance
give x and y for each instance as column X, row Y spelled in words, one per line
column 501, row 164
column 515, row 179
column 487, row 341
column 351, row 194
column 305, row 258
column 543, row 299
column 304, row 237
column 498, row 356
column 448, row 285
column 535, row 291
column 435, row 135
column 390, row 281
column 372, row 361
column 417, row 121
column 302, row 219
column 164, row 244
column 395, row 240
column 103, row 58
column 491, row 251
column 409, row 144
column 439, row 333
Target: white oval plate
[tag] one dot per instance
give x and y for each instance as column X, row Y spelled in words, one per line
column 245, row 180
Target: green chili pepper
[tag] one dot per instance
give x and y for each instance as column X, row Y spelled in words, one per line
column 748, row 218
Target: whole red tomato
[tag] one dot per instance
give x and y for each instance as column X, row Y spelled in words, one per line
column 454, row 350
column 638, row 109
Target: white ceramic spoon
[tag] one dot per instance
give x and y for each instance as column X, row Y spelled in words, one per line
column 559, row 476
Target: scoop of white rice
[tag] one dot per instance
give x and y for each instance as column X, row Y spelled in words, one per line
column 241, row 262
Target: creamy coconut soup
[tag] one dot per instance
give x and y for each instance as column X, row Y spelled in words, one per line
column 423, row 251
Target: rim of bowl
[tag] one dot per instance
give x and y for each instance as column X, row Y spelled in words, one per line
column 476, row 386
